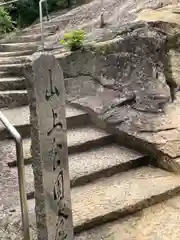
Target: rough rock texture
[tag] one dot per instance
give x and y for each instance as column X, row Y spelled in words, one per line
column 160, row 222
column 87, row 17
column 11, row 227
column 10, row 214
column 13, row 99
column 131, row 82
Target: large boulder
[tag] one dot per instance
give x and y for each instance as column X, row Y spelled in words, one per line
column 130, row 83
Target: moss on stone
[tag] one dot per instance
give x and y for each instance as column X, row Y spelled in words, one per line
column 108, row 47
column 103, row 48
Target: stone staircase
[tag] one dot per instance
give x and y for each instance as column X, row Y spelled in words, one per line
column 108, row 181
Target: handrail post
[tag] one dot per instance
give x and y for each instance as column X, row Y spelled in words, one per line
column 102, row 23
column 21, row 174
column 41, row 23
column 41, row 20
column 23, row 196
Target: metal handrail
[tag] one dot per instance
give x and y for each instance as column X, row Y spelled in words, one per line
column 41, row 20
column 40, row 16
column 21, row 174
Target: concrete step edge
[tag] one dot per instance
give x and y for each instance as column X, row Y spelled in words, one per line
column 131, row 209
column 74, row 147
column 10, row 47
column 14, row 98
column 75, row 118
column 113, row 210
column 17, row 53
column 108, row 171
column 14, row 59
column 12, row 84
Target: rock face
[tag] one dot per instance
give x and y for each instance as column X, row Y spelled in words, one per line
column 130, row 83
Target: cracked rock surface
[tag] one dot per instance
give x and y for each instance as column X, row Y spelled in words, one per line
column 131, row 82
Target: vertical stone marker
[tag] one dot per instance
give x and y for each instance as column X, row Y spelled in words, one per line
column 46, row 93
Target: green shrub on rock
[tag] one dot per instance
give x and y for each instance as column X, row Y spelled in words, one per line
column 6, row 24
column 73, row 40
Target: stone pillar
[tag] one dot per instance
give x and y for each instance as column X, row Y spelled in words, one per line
column 46, row 94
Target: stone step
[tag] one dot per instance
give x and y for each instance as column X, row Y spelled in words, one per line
column 7, row 74
column 19, row 38
column 12, row 83
column 17, row 53
column 14, row 59
column 160, row 221
column 102, row 161
column 10, row 47
column 48, row 28
column 13, row 98
column 88, row 166
column 108, row 199
column 79, row 140
column 112, row 198
column 19, row 117
column 84, row 138
column 12, row 69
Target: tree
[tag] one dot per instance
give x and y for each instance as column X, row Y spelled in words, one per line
column 25, row 12
column 69, row 3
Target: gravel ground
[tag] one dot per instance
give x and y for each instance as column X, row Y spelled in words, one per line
column 10, row 218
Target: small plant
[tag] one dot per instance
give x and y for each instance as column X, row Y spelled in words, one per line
column 73, row 40
column 6, row 24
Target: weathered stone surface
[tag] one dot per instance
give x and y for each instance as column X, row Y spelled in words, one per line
column 14, row 59
column 16, row 53
column 128, row 83
column 19, row 117
column 133, row 82
column 23, row 38
column 13, row 98
column 142, row 45
column 80, row 87
column 4, row 74
column 160, row 221
column 78, row 136
column 126, row 193
column 9, row 47
column 12, row 161
column 12, row 83
column 79, row 139
column 120, row 65
column 12, row 69
column 107, row 199
column 96, row 163
column 10, row 223
column 9, row 187
column 101, row 162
